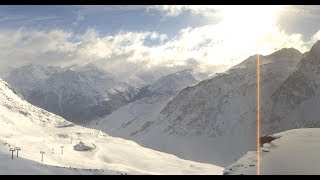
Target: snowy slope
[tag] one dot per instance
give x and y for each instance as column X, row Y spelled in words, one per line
column 224, row 107
column 77, row 95
column 21, row 166
column 294, row 104
column 83, row 93
column 34, row 130
column 220, row 105
column 213, row 121
column 294, row 152
column 28, row 77
column 171, row 83
column 176, row 81
column 136, row 117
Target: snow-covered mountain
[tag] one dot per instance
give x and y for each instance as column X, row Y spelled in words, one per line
column 133, row 118
column 172, row 83
column 83, row 93
column 220, row 105
column 78, row 94
column 294, row 104
column 29, row 77
column 292, row 152
column 33, row 130
column 213, row 121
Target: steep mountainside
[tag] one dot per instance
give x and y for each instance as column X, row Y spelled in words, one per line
column 78, row 95
column 29, row 77
column 213, row 121
column 294, row 104
column 133, row 118
column 33, row 130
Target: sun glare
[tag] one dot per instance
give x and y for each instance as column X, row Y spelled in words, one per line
column 251, row 14
column 256, row 20
column 247, row 29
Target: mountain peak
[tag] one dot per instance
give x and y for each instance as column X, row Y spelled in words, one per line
column 185, row 71
column 174, row 81
column 282, row 55
column 287, row 52
column 315, row 49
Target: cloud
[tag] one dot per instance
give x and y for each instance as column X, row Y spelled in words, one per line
column 315, row 37
column 23, row 46
column 5, row 18
column 175, row 10
column 305, row 11
column 20, row 19
column 239, row 34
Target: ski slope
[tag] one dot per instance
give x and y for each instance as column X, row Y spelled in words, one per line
column 33, row 130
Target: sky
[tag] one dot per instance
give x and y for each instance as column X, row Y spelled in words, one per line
column 140, row 38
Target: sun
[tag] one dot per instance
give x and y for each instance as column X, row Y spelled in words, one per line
column 245, row 15
column 255, row 21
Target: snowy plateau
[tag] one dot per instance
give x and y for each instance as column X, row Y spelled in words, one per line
column 293, row 152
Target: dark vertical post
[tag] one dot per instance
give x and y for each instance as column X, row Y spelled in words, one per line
column 42, row 155
column 18, row 149
column 12, row 150
column 62, row 149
